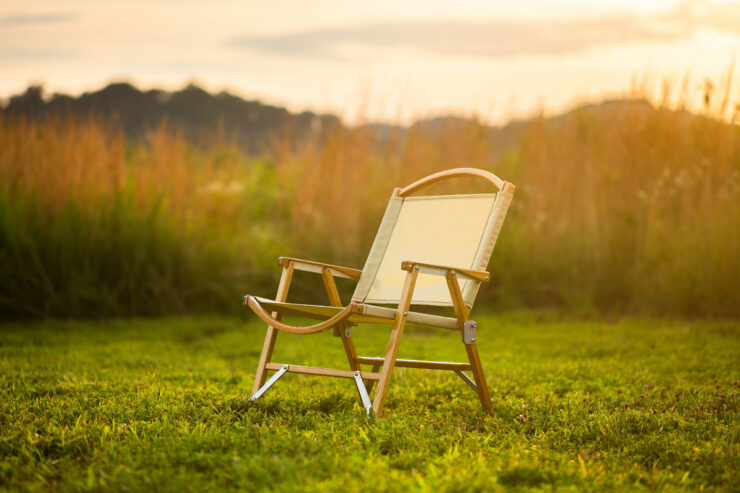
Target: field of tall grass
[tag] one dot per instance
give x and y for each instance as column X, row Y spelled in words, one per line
column 629, row 207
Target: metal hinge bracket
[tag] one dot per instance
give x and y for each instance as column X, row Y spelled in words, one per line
column 347, row 329
column 470, row 328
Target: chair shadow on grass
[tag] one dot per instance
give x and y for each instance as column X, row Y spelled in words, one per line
column 294, row 410
column 446, row 401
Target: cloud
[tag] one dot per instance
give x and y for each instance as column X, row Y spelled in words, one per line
column 39, row 18
column 486, row 39
column 717, row 16
column 499, row 38
column 24, row 53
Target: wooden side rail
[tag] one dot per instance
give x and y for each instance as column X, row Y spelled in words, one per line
column 327, row 372
column 319, row 267
column 415, row 363
column 309, row 329
column 443, row 270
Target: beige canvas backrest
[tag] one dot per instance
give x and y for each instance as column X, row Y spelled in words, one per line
column 449, row 230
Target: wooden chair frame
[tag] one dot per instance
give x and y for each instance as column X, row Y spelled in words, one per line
column 341, row 322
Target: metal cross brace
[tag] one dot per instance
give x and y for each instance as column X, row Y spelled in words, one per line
column 363, row 393
column 269, row 383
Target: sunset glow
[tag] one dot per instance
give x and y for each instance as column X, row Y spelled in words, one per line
column 392, row 61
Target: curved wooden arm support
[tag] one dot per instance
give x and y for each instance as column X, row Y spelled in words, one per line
column 455, row 173
column 310, row 329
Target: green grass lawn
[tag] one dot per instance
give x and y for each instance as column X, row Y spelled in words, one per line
column 161, row 405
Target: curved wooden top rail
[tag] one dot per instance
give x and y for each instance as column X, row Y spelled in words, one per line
column 453, row 173
column 310, row 329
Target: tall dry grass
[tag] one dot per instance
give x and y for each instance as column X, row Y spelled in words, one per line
column 624, row 207
column 91, row 225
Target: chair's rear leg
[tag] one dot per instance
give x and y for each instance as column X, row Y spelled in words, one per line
column 480, row 378
column 349, row 349
column 342, row 330
column 269, row 345
column 351, row 352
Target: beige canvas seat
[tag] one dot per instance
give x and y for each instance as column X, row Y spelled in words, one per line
column 429, row 251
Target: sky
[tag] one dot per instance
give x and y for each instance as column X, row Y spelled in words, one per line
column 392, row 61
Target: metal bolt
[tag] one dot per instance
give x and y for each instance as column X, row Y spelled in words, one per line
column 357, row 373
column 285, row 367
column 452, row 271
column 416, row 267
column 405, row 314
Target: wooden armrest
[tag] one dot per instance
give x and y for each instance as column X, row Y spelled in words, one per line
column 442, row 270
column 318, row 267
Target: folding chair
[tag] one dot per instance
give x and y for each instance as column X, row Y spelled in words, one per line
column 429, row 251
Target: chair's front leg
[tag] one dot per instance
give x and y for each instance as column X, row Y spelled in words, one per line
column 461, row 311
column 269, row 345
column 480, row 378
column 395, row 340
